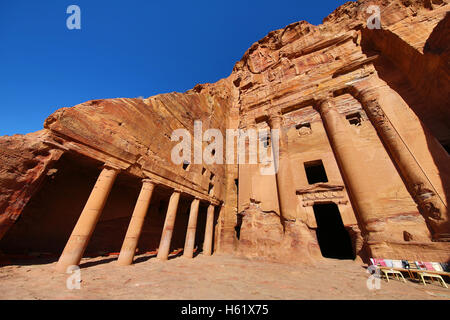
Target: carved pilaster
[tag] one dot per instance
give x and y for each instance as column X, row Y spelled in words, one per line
column 285, row 183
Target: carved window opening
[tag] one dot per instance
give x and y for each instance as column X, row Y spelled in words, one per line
column 203, row 171
column 303, row 128
column 334, row 240
column 354, row 119
column 315, row 172
column 211, row 177
column 186, row 165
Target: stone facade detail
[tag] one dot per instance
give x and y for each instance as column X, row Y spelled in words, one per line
column 322, row 193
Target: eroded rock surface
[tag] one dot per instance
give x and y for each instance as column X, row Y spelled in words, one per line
column 368, row 107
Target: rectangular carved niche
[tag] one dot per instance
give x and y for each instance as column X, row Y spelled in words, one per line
column 315, row 172
column 303, row 129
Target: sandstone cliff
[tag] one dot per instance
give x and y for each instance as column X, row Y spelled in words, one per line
column 288, row 71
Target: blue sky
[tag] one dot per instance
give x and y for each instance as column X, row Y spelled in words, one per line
column 126, row 49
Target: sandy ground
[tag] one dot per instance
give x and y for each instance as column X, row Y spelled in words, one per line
column 216, row 277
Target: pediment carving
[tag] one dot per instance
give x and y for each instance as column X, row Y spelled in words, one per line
column 322, row 192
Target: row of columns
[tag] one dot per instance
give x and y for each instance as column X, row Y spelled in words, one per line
column 287, row 198
column 375, row 97
column 82, row 232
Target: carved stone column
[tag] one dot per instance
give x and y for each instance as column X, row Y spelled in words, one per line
column 166, row 237
column 188, row 251
column 285, row 184
column 350, row 161
column 246, row 169
column 376, row 97
column 209, row 230
column 79, row 239
column 137, row 220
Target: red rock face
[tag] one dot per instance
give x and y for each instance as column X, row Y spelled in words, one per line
column 26, row 161
column 290, row 69
column 377, row 183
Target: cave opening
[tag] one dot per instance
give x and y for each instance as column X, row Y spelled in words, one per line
column 49, row 217
column 333, row 238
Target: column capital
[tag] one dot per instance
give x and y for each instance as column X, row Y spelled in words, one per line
column 247, row 123
column 177, row 190
column 274, row 120
column 367, row 87
column 149, row 181
column 108, row 165
column 324, row 104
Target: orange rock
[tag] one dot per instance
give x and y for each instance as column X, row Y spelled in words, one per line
column 365, row 127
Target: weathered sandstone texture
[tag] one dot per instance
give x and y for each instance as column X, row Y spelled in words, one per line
column 363, row 169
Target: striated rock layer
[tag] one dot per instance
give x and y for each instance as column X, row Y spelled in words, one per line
column 365, row 134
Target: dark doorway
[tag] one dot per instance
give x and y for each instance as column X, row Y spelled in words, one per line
column 334, row 240
column 315, row 172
